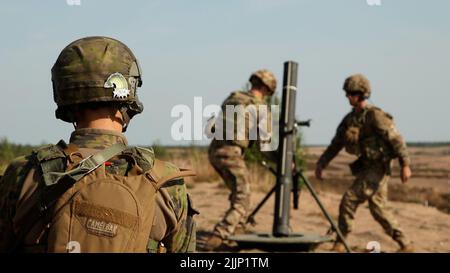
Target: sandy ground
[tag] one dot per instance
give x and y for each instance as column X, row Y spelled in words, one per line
column 426, row 225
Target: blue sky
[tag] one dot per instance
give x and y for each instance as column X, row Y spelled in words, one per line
column 208, row 48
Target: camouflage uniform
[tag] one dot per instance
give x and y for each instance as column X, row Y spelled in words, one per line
column 227, row 158
column 372, row 136
column 174, row 225
column 90, row 73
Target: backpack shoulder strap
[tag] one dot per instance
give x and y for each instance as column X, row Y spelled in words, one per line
column 144, row 157
column 53, row 158
column 89, row 164
column 162, row 173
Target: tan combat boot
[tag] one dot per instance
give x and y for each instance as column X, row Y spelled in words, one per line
column 213, row 242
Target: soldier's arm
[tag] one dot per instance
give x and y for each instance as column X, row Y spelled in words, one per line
column 182, row 236
column 175, row 226
column 334, row 148
column 10, row 187
column 385, row 127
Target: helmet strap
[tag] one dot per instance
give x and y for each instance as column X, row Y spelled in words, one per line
column 126, row 118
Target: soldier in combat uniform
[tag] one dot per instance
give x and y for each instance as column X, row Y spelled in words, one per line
column 369, row 133
column 227, row 156
column 95, row 80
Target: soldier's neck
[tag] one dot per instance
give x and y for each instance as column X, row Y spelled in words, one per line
column 103, row 123
column 102, row 118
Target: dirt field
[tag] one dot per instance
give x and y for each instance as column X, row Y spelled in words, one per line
column 421, row 206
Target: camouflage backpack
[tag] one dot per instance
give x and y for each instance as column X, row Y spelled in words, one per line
column 80, row 207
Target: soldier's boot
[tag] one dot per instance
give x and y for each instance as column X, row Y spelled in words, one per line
column 213, row 242
column 406, row 248
column 339, row 247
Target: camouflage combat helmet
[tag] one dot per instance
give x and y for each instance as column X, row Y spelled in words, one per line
column 266, row 77
column 96, row 70
column 357, row 84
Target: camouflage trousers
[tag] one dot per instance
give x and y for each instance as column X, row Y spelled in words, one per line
column 371, row 185
column 228, row 161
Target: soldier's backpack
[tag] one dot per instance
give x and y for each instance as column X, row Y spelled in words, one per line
column 83, row 208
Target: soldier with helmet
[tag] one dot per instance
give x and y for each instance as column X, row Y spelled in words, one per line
column 369, row 133
column 227, row 155
column 95, row 83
